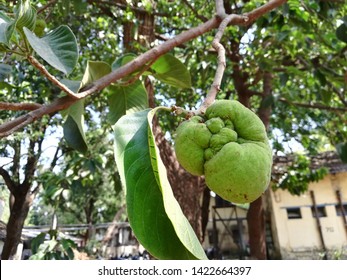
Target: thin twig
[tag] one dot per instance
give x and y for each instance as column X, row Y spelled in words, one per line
column 245, row 19
column 50, row 77
column 215, row 88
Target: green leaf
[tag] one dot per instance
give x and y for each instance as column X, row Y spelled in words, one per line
column 25, row 16
column 94, row 71
column 71, row 84
column 7, row 27
column 37, row 241
column 321, row 77
column 154, row 214
column 58, row 48
column 341, row 32
column 5, row 69
column 171, row 71
column 123, row 60
column 342, row 151
column 126, row 99
column 73, row 127
column 80, row 7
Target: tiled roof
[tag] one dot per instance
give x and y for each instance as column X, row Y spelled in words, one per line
column 330, row 160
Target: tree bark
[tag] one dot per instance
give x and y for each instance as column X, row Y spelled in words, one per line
column 256, row 213
column 21, row 193
column 256, row 229
column 19, row 212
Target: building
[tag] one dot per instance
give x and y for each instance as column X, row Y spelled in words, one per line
column 309, row 226
column 314, row 224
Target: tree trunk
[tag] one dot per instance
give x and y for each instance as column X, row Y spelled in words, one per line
column 19, row 212
column 256, row 213
column 256, row 229
column 21, row 192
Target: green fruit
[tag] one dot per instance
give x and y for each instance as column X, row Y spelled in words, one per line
column 229, row 146
column 40, row 26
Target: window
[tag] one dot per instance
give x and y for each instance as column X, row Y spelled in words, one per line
column 339, row 210
column 320, row 211
column 294, row 213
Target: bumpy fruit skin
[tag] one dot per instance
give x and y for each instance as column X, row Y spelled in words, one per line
column 229, row 146
column 40, row 26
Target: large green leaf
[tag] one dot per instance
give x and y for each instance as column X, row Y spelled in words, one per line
column 154, row 214
column 126, row 99
column 25, row 15
column 58, row 48
column 172, row 71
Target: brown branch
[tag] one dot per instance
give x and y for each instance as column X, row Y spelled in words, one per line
column 20, row 122
column 313, row 106
column 258, row 12
column 19, row 106
column 8, row 181
column 50, row 77
column 63, row 103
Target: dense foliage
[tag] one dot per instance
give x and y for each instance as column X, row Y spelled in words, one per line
column 289, row 66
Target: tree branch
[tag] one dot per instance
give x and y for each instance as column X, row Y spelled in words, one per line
column 50, row 77
column 215, row 88
column 19, row 106
column 243, row 19
column 8, row 181
column 64, row 102
column 59, row 104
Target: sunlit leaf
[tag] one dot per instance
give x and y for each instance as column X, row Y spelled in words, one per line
column 58, row 48
column 171, row 71
column 94, row 71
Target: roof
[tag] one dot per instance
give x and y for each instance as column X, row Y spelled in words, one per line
column 329, row 160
